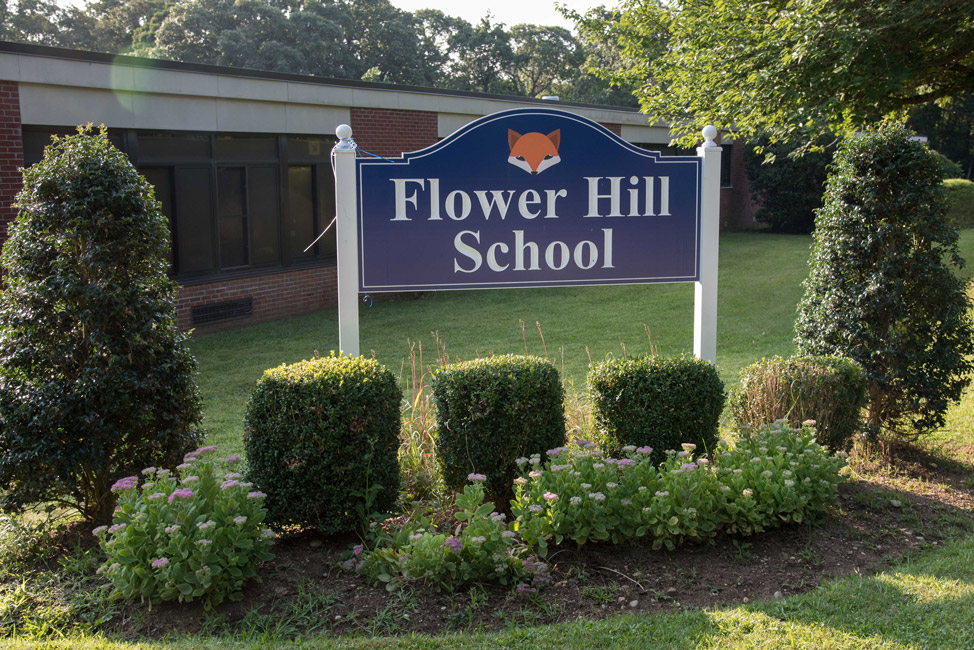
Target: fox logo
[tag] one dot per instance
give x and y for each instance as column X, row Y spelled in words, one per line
column 534, row 152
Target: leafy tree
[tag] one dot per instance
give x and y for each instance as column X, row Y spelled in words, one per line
column 787, row 189
column 792, row 67
column 608, row 74
column 29, row 21
column 950, row 126
column 111, row 25
column 96, row 381
column 382, row 38
column 545, row 57
column 434, row 30
column 881, row 290
column 305, row 39
column 484, row 57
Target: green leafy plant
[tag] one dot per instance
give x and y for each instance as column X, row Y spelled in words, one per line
column 492, row 411
column 481, row 548
column 195, row 534
column 829, row 390
column 95, row 378
column 582, row 496
column 880, row 288
column 787, row 189
column 322, row 438
column 656, row 402
column 775, row 475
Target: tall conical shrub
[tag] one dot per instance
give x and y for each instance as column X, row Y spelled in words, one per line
column 96, row 381
column 881, row 288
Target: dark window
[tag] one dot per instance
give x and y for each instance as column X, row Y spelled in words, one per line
column 302, row 149
column 194, row 227
column 325, row 193
column 246, row 148
column 161, row 180
column 235, row 203
column 231, row 193
column 725, row 165
column 264, row 203
column 166, row 147
column 299, row 230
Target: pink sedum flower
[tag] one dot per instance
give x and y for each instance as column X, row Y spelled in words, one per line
column 182, row 493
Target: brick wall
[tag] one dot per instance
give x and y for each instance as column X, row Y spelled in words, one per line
column 11, row 153
column 389, row 132
column 275, row 296
column 615, row 128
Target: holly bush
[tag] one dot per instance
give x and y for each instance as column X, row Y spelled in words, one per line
column 881, row 289
column 96, row 381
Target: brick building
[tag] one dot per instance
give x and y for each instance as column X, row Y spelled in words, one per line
column 240, row 160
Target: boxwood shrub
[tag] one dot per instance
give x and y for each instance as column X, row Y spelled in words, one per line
column 829, row 390
column 322, row 438
column 656, row 402
column 492, row 411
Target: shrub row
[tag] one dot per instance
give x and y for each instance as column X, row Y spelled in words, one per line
column 776, row 475
column 322, row 435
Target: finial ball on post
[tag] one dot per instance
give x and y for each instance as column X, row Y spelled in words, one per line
column 343, row 131
column 709, row 133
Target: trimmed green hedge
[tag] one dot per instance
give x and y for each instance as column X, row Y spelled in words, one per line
column 492, row 411
column 656, row 402
column 960, row 198
column 829, row 390
column 322, row 438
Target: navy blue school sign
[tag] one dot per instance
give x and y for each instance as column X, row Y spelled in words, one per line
column 524, row 198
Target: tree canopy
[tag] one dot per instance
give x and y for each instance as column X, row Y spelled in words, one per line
column 347, row 39
column 790, row 68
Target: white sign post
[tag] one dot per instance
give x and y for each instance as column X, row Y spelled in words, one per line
column 346, row 233
column 705, row 290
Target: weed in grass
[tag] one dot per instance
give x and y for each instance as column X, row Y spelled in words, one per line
column 548, row 610
column 742, row 552
column 688, row 577
column 388, row 621
column 311, row 610
column 604, row 593
column 462, row 614
column 810, row 557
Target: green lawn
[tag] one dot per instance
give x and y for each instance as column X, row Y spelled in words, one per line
column 925, row 603
column 759, row 288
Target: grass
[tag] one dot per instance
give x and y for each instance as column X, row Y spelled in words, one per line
column 759, row 288
column 926, row 602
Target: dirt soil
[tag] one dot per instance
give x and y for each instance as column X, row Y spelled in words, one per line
column 875, row 522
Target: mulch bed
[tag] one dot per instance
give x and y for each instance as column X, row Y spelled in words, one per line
column 875, row 522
